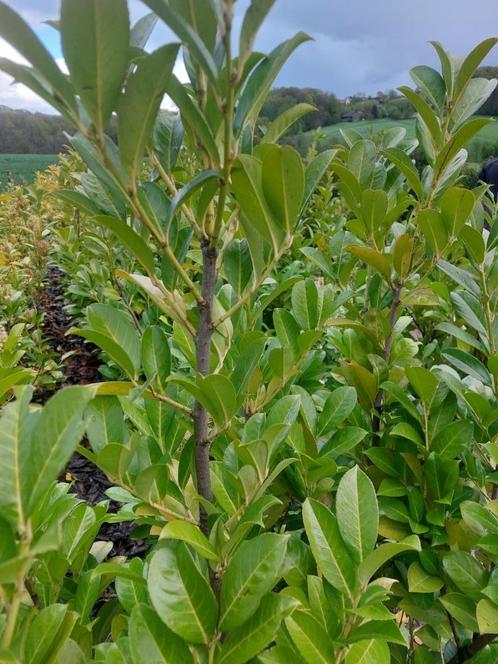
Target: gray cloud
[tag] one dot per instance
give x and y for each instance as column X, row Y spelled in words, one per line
column 359, row 45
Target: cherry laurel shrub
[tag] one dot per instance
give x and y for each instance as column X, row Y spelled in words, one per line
column 309, row 453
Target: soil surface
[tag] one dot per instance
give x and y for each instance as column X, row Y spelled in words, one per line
column 80, row 366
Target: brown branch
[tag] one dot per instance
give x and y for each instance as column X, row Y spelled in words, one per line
column 478, row 643
column 203, row 352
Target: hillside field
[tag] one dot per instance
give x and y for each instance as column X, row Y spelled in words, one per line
column 480, row 148
column 23, row 166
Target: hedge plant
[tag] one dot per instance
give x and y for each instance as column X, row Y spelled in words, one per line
column 305, row 429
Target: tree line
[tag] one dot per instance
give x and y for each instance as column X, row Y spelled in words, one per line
column 22, row 132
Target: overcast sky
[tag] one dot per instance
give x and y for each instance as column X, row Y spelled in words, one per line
column 359, row 45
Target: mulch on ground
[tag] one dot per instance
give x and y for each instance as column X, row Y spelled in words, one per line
column 80, row 366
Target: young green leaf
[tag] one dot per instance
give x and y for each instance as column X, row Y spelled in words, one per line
column 191, row 534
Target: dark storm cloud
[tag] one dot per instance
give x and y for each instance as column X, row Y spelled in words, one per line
column 360, row 45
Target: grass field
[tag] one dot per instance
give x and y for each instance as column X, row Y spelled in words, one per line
column 23, row 166
column 481, row 147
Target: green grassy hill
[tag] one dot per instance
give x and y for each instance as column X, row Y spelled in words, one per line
column 483, row 146
column 23, row 166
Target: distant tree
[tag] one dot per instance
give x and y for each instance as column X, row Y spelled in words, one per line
column 398, row 108
column 280, row 99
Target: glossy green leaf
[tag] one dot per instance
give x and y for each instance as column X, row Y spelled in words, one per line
column 471, row 62
column 462, row 608
column 372, row 651
column 466, row 572
column 374, row 204
column 58, row 430
column 238, row 265
column 315, row 171
column 330, row 552
column 95, row 41
column 380, row 262
column 383, row 553
column 487, row 617
column 168, row 138
column 467, row 363
column 307, row 304
column 283, row 184
column 310, row 638
column 15, row 442
column 247, row 182
column 156, row 355
column 193, row 117
column 181, row 594
column 31, row 79
column 479, row 518
column 453, row 439
column 383, row 630
column 139, row 106
column 261, row 79
column 419, row 581
column 153, row 642
column 248, row 640
column 424, row 383
column 357, row 513
column 253, row 19
column 400, row 159
column 252, row 573
column 431, row 83
column 194, row 185
column 434, row 229
column 142, row 30
column 338, row 406
column 47, row 633
column 191, row 534
column 425, row 111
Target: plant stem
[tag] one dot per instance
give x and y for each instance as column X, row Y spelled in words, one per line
column 19, row 588
column 488, row 312
column 393, row 315
column 203, row 348
column 478, row 643
column 254, row 287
